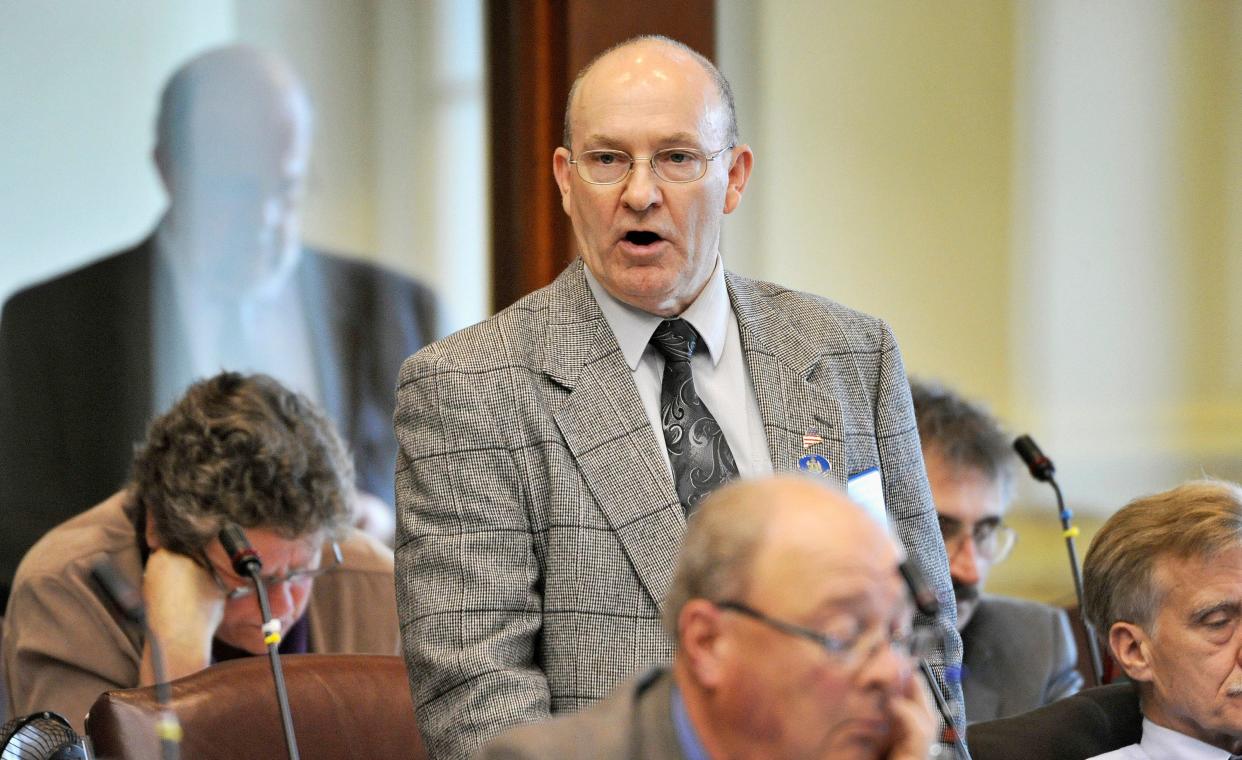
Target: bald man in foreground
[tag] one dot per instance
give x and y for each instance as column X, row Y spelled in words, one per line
column 792, row 634
column 551, row 455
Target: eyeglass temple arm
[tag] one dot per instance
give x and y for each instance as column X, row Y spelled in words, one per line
column 925, row 600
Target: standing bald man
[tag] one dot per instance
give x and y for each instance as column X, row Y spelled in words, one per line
column 550, row 455
column 223, row 282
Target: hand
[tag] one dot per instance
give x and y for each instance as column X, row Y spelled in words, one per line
column 184, row 609
column 914, row 723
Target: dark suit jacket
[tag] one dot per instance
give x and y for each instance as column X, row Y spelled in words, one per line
column 76, row 374
column 1016, row 655
column 1089, row 723
column 538, row 525
column 635, row 722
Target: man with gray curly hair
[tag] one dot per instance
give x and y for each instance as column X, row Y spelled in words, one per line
column 235, row 448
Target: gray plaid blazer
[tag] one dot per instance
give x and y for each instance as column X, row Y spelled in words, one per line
column 538, row 525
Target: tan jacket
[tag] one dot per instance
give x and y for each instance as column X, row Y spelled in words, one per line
column 64, row 645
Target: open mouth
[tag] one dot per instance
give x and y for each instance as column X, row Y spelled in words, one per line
column 642, row 237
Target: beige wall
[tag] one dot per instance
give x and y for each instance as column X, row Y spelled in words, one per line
column 1042, row 197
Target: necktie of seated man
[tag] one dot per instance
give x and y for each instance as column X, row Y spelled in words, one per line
column 697, row 450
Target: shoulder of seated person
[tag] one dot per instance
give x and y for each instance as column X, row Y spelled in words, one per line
column 101, row 530
column 1015, row 607
column 364, row 553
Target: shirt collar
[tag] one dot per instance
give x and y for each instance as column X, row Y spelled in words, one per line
column 708, row 314
column 691, row 746
column 1160, row 742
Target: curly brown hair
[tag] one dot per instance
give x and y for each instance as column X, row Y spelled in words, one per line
column 246, row 449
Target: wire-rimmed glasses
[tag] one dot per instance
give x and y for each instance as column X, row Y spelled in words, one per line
column 608, row 167
column 297, row 575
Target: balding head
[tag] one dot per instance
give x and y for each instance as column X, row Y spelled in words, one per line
column 754, row 534
column 225, row 101
column 650, row 46
column 785, row 603
column 232, row 147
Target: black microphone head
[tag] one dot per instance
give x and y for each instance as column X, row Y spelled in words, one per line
column 243, row 556
column 123, row 594
column 1040, row 466
column 923, row 594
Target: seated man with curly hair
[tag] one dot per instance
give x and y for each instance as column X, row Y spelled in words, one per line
column 234, row 448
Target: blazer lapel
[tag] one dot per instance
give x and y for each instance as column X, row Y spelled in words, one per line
column 783, row 368
column 329, row 342
column 606, row 429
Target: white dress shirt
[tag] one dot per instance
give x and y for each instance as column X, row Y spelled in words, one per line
column 199, row 330
column 1160, row 743
column 720, row 374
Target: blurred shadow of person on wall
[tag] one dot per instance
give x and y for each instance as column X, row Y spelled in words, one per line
column 223, row 282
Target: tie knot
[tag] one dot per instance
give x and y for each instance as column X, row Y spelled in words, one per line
column 676, row 339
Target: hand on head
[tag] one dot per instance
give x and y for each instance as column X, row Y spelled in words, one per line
column 184, row 609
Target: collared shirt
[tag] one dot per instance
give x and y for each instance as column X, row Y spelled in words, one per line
column 196, row 333
column 691, row 746
column 1160, row 743
column 720, row 374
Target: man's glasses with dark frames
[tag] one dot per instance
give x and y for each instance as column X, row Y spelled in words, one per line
column 916, row 643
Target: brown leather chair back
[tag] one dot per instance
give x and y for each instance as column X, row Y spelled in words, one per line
column 343, row 706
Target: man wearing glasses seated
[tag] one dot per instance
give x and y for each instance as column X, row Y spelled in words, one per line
column 1017, row 654
column 792, row 639
column 235, row 448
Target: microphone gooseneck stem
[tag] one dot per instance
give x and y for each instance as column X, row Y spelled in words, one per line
column 128, row 600
column 1093, row 646
column 946, row 713
column 168, row 728
column 273, row 656
column 924, row 597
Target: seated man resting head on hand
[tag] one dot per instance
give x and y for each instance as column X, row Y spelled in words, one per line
column 235, row 448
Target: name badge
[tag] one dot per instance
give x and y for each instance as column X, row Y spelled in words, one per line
column 867, row 490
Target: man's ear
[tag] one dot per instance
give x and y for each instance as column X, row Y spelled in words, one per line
column 561, row 169
column 739, row 175
column 1129, row 645
column 701, row 643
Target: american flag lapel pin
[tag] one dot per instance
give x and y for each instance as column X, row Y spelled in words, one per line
column 811, row 438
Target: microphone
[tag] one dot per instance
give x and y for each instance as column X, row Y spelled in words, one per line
column 1040, row 466
column 1042, row 470
column 241, row 554
column 926, row 602
column 119, row 591
column 128, row 600
column 246, row 562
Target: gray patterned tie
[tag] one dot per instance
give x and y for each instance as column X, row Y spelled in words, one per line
column 697, row 449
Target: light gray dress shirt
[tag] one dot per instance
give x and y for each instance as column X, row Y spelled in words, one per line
column 199, row 330
column 720, row 374
column 1160, row 743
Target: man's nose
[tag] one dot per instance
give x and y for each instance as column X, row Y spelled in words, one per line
column 888, row 666
column 642, row 188
column 964, row 564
